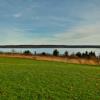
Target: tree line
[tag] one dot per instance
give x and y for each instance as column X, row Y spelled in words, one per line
column 55, row 52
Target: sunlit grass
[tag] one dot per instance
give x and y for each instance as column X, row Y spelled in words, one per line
column 24, row 79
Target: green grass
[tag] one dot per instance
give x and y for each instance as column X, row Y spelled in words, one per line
column 24, row 79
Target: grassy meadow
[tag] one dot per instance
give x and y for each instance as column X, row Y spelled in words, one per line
column 27, row 79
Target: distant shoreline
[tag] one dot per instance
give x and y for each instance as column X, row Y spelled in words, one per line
column 49, row 46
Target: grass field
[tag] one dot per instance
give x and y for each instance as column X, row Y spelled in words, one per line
column 25, row 79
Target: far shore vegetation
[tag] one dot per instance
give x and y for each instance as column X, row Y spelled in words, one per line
column 86, row 54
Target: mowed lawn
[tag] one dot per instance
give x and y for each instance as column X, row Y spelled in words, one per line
column 26, row 79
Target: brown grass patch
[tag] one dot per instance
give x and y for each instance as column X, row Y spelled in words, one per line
column 55, row 58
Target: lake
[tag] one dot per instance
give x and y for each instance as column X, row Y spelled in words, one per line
column 50, row 50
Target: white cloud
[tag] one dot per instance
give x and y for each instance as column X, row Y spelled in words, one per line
column 17, row 15
column 83, row 34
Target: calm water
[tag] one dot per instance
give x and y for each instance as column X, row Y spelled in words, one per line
column 49, row 50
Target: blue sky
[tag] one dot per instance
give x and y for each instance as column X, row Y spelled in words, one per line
column 49, row 21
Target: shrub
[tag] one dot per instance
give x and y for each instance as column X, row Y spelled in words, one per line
column 55, row 52
column 27, row 52
column 66, row 53
column 43, row 53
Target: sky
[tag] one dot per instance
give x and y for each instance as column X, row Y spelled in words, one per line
column 50, row 22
